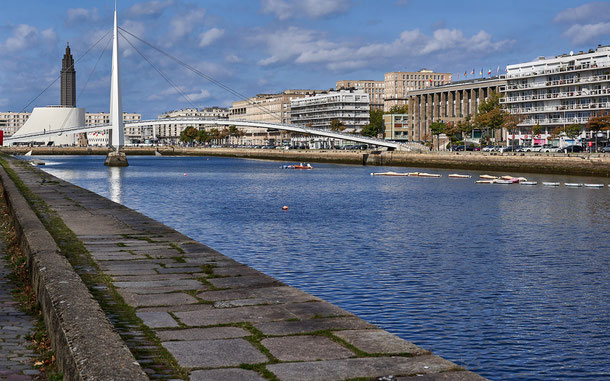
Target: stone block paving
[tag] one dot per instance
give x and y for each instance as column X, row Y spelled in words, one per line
column 222, row 320
column 16, row 359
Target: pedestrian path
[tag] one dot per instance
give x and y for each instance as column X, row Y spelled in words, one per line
column 16, row 360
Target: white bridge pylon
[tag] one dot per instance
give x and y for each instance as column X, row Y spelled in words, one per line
column 197, row 122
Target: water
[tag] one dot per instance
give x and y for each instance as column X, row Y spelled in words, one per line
column 509, row 281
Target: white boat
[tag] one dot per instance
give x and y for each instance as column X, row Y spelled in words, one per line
column 388, row 174
column 547, row 184
column 428, row 175
column 484, row 182
column 594, row 185
column 506, row 177
column 511, row 181
column 528, row 182
column 488, row 177
column 573, row 185
column 413, row 173
column 458, row 176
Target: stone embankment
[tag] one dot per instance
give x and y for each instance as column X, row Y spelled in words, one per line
column 206, row 316
column 552, row 163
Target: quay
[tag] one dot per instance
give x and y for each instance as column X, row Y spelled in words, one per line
column 125, row 297
column 582, row 164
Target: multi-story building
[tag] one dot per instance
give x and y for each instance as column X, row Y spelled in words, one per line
column 170, row 132
column 396, row 127
column 557, row 92
column 399, row 84
column 100, row 138
column 10, row 121
column 375, row 90
column 350, row 107
column 449, row 103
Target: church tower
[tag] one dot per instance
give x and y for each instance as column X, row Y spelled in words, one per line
column 68, row 80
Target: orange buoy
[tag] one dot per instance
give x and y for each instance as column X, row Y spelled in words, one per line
column 185, row 174
column 284, row 207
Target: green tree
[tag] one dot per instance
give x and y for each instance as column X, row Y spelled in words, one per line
column 337, row 125
column 598, row 123
column 188, row 134
column 453, row 132
column 491, row 115
column 375, row 126
column 572, row 131
column 203, row 136
column 511, row 123
column 404, row 109
column 437, row 128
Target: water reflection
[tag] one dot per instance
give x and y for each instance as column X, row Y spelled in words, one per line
column 114, row 182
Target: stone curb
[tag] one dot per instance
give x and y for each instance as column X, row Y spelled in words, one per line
column 85, row 344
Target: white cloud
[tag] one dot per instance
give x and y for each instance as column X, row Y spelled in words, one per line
column 24, row 36
column 286, row 9
column 49, row 36
column 588, row 23
column 232, row 58
column 81, row 16
column 581, row 34
column 148, row 9
column 303, row 46
column 198, row 96
column 588, row 13
column 183, row 24
column 208, row 37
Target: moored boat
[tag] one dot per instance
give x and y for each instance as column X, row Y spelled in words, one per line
column 528, row 182
column 511, row 181
column 550, row 184
column 484, row 182
column 594, row 185
column 422, row 174
column 488, row 177
column 458, row 176
column 388, row 174
column 573, row 185
column 297, row 166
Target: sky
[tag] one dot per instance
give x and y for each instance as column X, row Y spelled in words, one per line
column 267, row 46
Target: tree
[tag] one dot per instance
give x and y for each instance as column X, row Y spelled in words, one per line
column 491, row 115
column 404, row 109
column 188, row 134
column 337, row 125
column 598, row 123
column 453, row 132
column 465, row 126
column 437, row 128
column 572, row 131
column 203, row 136
column 375, row 126
column 511, row 123
column 556, row 132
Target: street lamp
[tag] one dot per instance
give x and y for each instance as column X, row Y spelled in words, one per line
column 598, row 135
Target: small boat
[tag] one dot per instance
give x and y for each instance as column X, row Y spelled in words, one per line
column 547, row 184
column 458, row 176
column 297, row 166
column 388, row 174
column 506, row 177
column 521, row 179
column 594, row 185
column 484, row 182
column 573, row 185
column 528, row 182
column 413, row 173
column 488, row 177
column 511, row 181
column 428, row 175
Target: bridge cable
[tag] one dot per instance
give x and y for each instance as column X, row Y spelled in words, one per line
column 160, row 72
column 203, row 75
column 71, row 66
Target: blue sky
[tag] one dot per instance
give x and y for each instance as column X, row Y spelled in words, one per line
column 259, row 46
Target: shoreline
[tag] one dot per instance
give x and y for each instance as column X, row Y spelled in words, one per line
column 597, row 165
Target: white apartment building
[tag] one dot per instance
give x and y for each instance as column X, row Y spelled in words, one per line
column 557, row 92
column 375, row 90
column 10, row 121
column 169, row 133
column 100, row 138
column 351, row 107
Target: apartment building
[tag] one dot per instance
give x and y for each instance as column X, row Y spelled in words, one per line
column 169, row 132
column 448, row 103
column 375, row 90
column 10, row 121
column 396, row 127
column 557, row 92
column 351, row 107
column 397, row 85
column 100, row 138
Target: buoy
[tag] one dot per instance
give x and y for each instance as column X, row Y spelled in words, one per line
column 284, row 207
column 185, row 174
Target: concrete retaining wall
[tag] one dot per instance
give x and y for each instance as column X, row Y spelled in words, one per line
column 86, row 347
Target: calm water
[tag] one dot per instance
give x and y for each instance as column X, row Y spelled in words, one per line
column 510, row 281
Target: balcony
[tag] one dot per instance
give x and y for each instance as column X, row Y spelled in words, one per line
column 588, row 106
column 550, row 96
column 564, row 69
column 561, row 82
column 553, row 121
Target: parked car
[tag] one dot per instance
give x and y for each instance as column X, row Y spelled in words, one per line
column 572, row 148
column 605, row 149
column 488, row 148
column 549, row 148
column 506, row 149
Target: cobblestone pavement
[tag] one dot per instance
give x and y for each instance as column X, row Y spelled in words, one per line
column 16, row 360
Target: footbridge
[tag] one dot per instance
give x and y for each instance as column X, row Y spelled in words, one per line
column 200, row 122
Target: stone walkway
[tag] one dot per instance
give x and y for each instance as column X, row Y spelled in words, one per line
column 222, row 320
column 16, row 360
